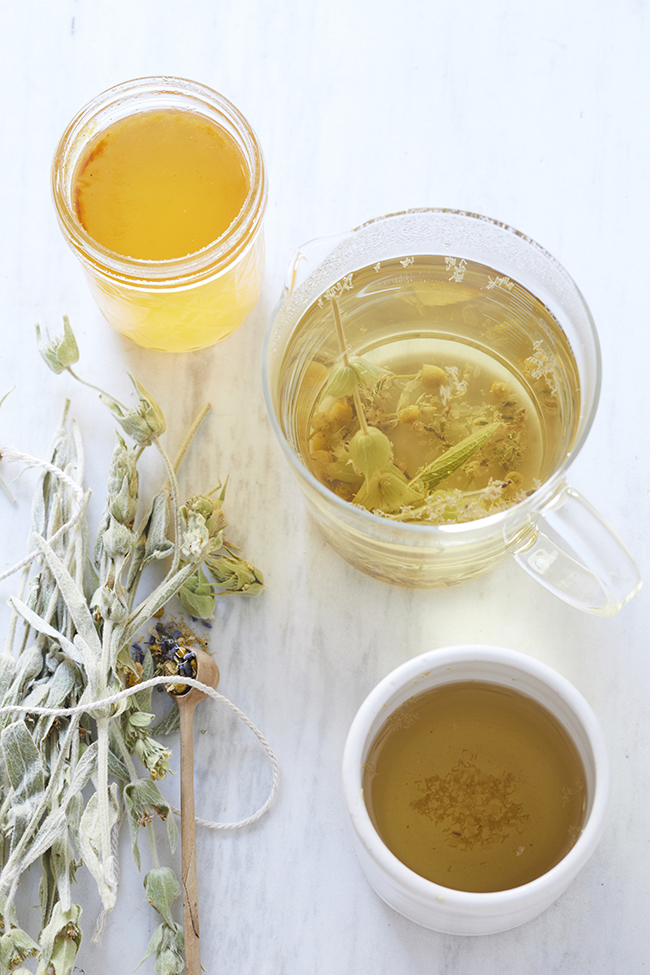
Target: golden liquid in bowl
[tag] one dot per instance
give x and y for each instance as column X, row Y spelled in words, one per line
column 475, row 786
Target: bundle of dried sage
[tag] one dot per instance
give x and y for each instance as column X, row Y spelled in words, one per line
column 68, row 783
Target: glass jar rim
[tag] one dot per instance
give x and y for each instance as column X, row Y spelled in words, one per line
column 123, row 101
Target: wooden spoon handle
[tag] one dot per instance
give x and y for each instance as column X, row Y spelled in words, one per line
column 188, row 847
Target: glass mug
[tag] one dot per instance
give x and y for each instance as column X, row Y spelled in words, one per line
column 553, row 533
column 182, row 303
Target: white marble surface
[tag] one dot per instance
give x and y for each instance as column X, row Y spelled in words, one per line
column 535, row 114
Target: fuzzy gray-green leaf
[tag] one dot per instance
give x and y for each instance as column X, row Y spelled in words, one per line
column 170, row 724
column 149, row 608
column 197, row 596
column 75, row 600
column 60, row 941
column 90, row 842
column 143, row 799
column 16, row 946
column 168, row 945
column 162, row 889
column 26, row 775
column 158, row 544
column 63, row 867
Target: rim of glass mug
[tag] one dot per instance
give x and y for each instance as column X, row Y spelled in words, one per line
column 520, row 523
column 121, row 101
column 444, row 909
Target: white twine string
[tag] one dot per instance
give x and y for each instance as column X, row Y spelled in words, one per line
column 153, row 682
column 12, row 454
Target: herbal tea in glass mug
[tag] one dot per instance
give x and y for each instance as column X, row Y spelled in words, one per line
column 430, row 376
column 160, row 189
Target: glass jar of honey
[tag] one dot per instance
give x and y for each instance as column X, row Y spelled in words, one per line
column 160, row 189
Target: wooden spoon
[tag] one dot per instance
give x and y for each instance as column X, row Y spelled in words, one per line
column 208, row 673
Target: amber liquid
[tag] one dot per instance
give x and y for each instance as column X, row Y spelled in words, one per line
column 160, row 185
column 475, row 786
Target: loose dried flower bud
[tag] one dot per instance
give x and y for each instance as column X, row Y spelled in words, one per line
column 341, row 413
column 118, row 540
column 109, row 604
column 59, row 353
column 143, row 424
column 196, row 538
column 235, row 575
column 500, row 390
column 319, row 442
column 210, row 510
column 409, row 414
column 153, row 756
column 432, row 377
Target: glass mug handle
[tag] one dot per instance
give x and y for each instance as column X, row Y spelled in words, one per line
column 575, row 554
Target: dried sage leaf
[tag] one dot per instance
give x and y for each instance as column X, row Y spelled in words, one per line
column 91, row 828
column 143, row 799
column 162, row 889
column 455, row 457
column 59, row 941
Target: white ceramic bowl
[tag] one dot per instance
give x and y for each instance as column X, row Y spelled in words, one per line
column 429, row 904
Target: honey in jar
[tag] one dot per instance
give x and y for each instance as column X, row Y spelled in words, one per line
column 160, row 189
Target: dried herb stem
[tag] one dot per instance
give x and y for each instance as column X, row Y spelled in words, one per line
column 190, row 435
column 13, row 620
column 361, row 413
column 155, row 859
column 339, row 330
column 86, row 382
column 176, row 516
column 363, row 423
column 109, row 890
